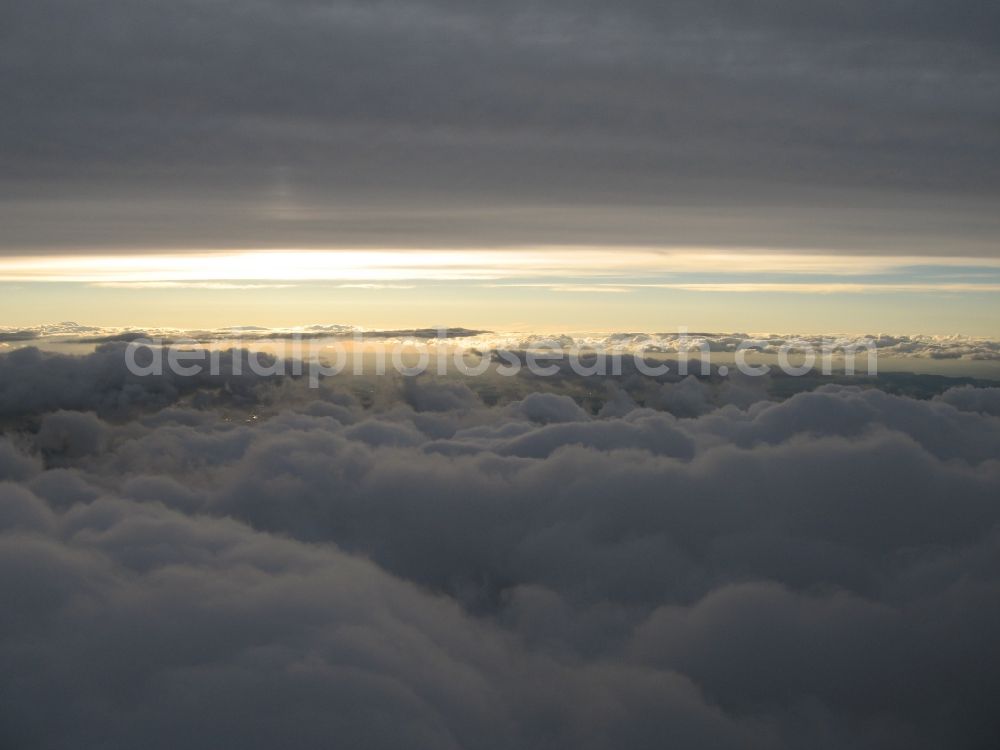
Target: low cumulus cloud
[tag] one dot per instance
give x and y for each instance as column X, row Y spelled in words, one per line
column 34, row 381
column 430, row 571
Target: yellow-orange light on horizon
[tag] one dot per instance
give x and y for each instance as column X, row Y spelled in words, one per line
column 443, row 265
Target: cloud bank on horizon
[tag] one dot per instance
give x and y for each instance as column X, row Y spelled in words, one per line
column 68, row 335
column 248, row 562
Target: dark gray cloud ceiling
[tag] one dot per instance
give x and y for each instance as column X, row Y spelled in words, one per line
column 230, row 123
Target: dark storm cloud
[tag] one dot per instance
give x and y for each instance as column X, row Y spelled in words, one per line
column 433, row 572
column 489, row 123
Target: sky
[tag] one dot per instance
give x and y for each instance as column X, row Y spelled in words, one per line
column 215, row 531
column 710, row 150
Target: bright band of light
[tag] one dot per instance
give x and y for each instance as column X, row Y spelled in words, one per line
column 444, row 265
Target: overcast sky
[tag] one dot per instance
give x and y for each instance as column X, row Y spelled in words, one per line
column 848, row 126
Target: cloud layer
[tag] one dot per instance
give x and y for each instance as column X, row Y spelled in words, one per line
column 435, row 124
column 434, row 572
column 954, row 347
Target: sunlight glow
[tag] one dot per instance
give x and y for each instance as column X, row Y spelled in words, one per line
column 443, row 265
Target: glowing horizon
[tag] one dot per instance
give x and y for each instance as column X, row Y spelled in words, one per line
column 478, row 264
